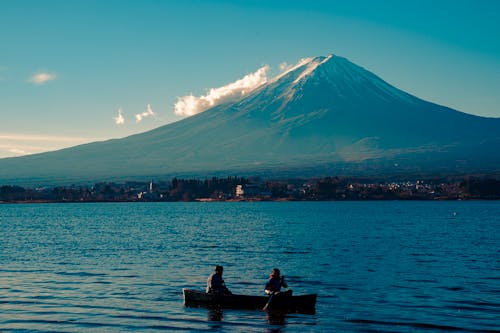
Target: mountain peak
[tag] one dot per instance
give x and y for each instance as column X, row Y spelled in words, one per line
column 325, row 114
column 310, row 66
column 303, row 68
column 342, row 78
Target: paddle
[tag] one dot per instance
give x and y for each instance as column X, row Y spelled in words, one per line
column 268, row 302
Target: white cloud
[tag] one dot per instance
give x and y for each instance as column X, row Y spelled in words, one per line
column 191, row 105
column 42, row 78
column 147, row 113
column 119, row 120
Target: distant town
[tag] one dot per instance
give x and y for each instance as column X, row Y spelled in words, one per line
column 257, row 189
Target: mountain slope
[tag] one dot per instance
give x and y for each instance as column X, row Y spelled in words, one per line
column 325, row 115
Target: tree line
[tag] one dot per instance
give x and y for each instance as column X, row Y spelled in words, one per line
column 240, row 188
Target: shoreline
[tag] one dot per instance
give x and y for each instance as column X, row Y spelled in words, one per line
column 239, row 189
column 209, row 200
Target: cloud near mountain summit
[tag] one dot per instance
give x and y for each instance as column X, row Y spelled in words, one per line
column 190, row 105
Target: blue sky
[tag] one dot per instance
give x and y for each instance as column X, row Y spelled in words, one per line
column 67, row 67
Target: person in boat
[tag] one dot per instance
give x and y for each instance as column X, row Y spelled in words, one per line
column 215, row 283
column 275, row 282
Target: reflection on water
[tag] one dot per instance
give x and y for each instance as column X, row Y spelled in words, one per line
column 376, row 266
column 276, row 317
column 215, row 314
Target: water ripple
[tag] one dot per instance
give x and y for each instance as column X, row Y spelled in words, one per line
column 381, row 266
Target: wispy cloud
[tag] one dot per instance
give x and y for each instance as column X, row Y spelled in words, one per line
column 191, row 105
column 147, row 113
column 36, row 137
column 25, row 144
column 12, row 149
column 17, row 151
column 42, row 78
column 284, row 66
column 119, row 120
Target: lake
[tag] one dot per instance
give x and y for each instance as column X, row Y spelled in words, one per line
column 376, row 266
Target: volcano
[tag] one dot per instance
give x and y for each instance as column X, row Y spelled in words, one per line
column 325, row 116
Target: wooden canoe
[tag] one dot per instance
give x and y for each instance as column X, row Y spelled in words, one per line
column 300, row 303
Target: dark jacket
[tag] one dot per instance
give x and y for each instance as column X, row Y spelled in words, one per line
column 274, row 285
column 215, row 284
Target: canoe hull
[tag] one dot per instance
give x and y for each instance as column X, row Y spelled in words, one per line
column 301, row 303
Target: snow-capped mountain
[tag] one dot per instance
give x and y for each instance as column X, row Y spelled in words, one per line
column 325, row 115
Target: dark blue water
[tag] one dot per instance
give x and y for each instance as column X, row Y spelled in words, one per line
column 376, row 266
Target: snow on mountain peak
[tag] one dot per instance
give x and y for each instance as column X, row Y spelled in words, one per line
column 310, row 63
column 337, row 72
column 311, row 66
column 288, row 69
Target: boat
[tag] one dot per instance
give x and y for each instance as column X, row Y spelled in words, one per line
column 279, row 302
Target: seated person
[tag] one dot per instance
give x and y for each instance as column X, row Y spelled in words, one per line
column 215, row 283
column 275, row 282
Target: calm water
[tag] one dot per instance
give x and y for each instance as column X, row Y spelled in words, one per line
column 376, row 266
